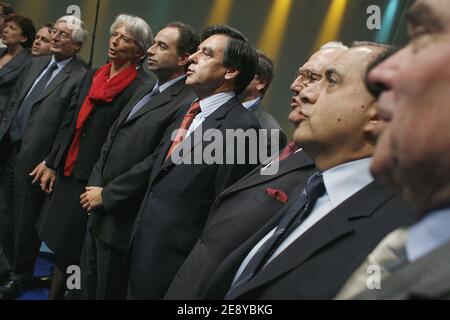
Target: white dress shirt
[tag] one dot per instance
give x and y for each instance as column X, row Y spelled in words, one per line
column 427, row 235
column 251, row 103
column 208, row 106
column 341, row 183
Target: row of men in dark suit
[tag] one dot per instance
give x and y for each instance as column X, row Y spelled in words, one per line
column 338, row 253
column 301, row 233
column 120, row 177
column 313, row 230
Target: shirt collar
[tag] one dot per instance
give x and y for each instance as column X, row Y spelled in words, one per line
column 169, row 83
column 251, row 103
column 430, row 233
column 212, row 103
column 60, row 64
column 345, row 180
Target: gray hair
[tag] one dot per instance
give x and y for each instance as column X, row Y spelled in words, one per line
column 334, row 45
column 79, row 34
column 137, row 28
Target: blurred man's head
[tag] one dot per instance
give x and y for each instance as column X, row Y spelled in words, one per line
column 225, row 61
column 68, row 36
column 5, row 9
column 416, row 99
column 169, row 54
column 382, row 159
column 261, row 81
column 42, row 41
column 338, row 110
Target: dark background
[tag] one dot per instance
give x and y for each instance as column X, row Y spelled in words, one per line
column 297, row 41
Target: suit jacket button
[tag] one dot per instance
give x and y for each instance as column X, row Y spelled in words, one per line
column 201, row 240
column 151, row 195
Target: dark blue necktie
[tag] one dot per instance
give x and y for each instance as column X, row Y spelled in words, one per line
column 18, row 126
column 294, row 215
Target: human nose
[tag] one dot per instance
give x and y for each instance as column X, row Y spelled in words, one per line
column 383, row 75
column 193, row 57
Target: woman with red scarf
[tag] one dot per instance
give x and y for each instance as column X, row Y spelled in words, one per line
column 104, row 94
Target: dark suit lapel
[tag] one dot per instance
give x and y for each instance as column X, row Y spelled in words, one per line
column 159, row 100
column 59, row 79
column 34, row 73
column 14, row 63
column 161, row 161
column 295, row 162
column 330, row 229
column 140, row 93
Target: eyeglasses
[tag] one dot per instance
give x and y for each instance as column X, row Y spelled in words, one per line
column 307, row 77
column 61, row 34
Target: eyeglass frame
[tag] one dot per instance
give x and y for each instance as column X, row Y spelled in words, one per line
column 308, row 76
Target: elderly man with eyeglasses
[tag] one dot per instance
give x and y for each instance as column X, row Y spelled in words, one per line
column 243, row 208
column 42, row 96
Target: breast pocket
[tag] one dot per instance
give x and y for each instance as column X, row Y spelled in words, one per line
column 265, row 200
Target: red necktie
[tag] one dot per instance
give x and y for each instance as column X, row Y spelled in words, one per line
column 182, row 131
column 288, row 150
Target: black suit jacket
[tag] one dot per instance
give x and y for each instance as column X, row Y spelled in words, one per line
column 177, row 204
column 9, row 74
column 95, row 130
column 235, row 216
column 48, row 112
column 268, row 122
column 122, row 170
column 317, row 264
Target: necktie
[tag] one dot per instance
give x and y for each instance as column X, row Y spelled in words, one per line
column 294, row 215
column 143, row 102
column 181, row 132
column 388, row 256
column 18, row 126
column 288, row 150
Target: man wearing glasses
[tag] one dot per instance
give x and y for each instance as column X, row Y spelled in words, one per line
column 41, row 98
column 243, row 208
column 311, row 246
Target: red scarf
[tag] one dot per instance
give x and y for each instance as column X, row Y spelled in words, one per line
column 103, row 89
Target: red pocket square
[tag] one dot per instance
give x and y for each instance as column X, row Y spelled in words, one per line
column 277, row 194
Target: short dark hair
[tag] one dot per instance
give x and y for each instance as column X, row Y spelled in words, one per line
column 188, row 40
column 239, row 54
column 26, row 25
column 48, row 25
column 264, row 70
column 6, row 8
